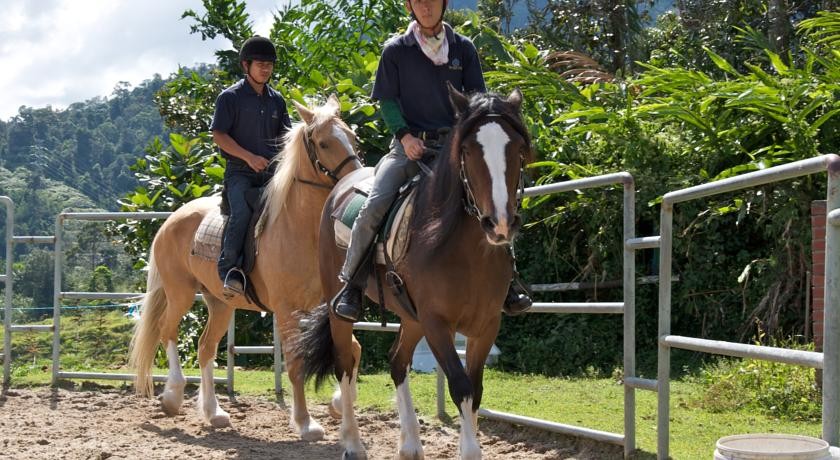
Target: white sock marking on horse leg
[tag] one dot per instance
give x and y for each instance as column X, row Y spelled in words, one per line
column 339, row 134
column 349, row 426
column 207, row 403
column 410, row 445
column 470, row 449
column 302, row 421
column 493, row 140
column 173, row 392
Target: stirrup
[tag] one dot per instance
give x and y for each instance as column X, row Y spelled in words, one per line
column 232, row 286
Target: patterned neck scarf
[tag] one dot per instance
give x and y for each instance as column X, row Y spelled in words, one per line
column 435, row 48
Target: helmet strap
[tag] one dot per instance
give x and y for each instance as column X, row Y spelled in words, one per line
column 248, row 77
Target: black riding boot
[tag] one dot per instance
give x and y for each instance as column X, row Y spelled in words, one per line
column 517, row 300
column 347, row 304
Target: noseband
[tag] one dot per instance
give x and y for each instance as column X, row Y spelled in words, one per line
column 318, row 166
column 470, row 203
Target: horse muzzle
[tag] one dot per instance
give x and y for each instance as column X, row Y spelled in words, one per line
column 500, row 231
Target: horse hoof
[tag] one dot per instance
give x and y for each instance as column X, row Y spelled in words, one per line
column 314, row 432
column 170, row 408
column 410, row 455
column 353, row 455
column 220, row 421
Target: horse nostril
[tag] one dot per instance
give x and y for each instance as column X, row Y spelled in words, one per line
column 488, row 224
column 516, row 223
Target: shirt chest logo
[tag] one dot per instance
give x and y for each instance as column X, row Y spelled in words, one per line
column 455, row 64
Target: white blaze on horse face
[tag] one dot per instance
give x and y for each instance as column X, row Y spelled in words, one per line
column 339, row 134
column 493, row 140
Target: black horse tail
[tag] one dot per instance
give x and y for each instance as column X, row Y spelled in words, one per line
column 315, row 346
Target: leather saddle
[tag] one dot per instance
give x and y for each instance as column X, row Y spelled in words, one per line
column 207, row 242
column 393, row 238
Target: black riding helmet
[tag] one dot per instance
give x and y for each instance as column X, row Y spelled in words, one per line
column 442, row 12
column 258, row 48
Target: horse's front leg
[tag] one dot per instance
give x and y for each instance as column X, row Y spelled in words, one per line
column 219, row 315
column 439, row 334
column 477, row 350
column 411, row 448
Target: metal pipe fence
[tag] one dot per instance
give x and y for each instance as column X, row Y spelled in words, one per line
column 829, row 360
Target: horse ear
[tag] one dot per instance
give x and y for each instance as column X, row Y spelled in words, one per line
column 333, row 104
column 515, row 99
column 305, row 114
column 459, row 100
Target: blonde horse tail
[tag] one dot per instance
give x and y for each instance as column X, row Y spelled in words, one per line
column 146, row 338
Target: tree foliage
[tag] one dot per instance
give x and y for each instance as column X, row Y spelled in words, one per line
column 691, row 99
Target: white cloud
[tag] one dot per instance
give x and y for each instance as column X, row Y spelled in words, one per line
column 57, row 52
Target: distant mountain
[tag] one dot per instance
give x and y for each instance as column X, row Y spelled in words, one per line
column 78, row 157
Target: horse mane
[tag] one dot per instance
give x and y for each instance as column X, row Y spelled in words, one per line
column 294, row 152
column 439, row 208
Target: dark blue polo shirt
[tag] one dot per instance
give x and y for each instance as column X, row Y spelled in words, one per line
column 256, row 122
column 419, row 86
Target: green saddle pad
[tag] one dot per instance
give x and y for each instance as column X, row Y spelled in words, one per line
column 354, row 206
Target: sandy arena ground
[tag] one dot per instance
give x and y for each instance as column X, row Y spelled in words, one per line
column 100, row 423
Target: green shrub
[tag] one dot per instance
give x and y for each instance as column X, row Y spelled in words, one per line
column 774, row 389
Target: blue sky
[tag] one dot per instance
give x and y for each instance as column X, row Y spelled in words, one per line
column 57, row 52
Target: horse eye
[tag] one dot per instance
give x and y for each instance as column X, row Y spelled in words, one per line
column 322, row 144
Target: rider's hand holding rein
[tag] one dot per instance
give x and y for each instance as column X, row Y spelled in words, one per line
column 257, row 163
column 413, row 147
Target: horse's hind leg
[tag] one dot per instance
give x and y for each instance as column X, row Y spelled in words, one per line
column 218, row 319
column 346, row 370
column 440, row 337
column 335, row 404
column 178, row 303
column 301, row 420
column 401, row 354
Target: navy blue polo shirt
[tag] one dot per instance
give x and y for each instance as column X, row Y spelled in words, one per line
column 256, row 122
column 419, row 86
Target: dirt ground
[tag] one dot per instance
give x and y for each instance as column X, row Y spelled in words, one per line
column 100, row 423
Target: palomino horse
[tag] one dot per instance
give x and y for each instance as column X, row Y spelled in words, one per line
column 457, row 270
column 285, row 275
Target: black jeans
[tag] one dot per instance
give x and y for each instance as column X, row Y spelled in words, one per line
column 238, row 181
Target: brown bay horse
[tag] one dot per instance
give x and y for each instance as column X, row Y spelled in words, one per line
column 285, row 275
column 457, row 270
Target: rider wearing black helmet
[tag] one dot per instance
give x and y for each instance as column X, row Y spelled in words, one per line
column 411, row 87
column 248, row 126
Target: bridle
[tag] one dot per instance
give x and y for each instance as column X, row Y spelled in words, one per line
column 318, row 166
column 470, row 203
